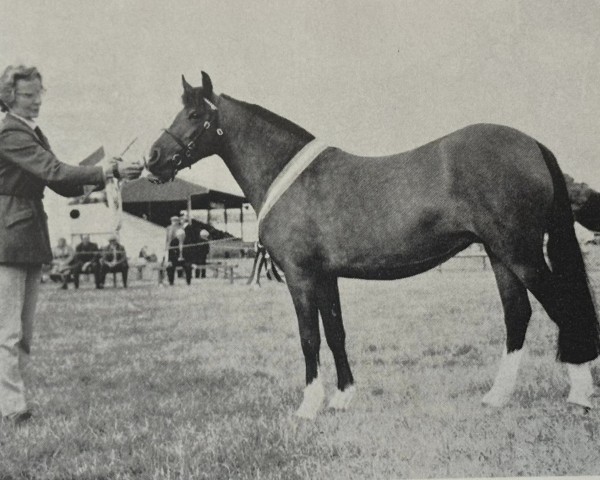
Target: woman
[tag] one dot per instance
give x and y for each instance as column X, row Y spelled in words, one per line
column 27, row 166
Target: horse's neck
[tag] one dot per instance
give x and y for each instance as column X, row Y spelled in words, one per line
column 256, row 148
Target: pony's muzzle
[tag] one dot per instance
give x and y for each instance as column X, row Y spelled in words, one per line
column 154, row 157
column 153, row 165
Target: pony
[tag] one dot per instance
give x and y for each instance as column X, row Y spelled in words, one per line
column 325, row 213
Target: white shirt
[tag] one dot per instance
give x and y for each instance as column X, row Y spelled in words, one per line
column 30, row 123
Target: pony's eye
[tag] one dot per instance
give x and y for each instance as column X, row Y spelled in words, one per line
column 194, row 116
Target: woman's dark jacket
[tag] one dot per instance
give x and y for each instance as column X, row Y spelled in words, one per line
column 27, row 166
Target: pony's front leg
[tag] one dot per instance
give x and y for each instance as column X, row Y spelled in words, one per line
column 303, row 292
column 517, row 312
column 329, row 305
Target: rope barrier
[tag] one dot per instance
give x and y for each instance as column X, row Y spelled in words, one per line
column 203, row 243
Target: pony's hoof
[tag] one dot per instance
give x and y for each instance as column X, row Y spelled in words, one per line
column 341, row 398
column 577, row 409
column 306, row 412
column 495, row 399
column 314, row 394
column 580, row 399
column 582, row 385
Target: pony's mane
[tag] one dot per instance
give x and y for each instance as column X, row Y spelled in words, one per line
column 273, row 118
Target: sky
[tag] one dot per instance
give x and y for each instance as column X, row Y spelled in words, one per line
column 371, row 77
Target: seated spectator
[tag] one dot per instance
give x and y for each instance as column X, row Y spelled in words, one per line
column 62, row 256
column 86, row 260
column 113, row 258
column 144, row 258
column 143, row 255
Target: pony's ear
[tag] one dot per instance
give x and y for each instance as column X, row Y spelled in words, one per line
column 186, row 86
column 207, row 86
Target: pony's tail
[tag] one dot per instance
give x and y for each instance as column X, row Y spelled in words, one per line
column 579, row 338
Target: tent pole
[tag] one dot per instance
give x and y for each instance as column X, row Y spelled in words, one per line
column 242, row 222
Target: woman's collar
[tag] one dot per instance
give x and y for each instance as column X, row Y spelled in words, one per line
column 30, row 123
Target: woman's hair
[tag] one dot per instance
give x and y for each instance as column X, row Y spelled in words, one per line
column 8, row 83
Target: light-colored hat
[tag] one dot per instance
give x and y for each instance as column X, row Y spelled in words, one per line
column 204, row 234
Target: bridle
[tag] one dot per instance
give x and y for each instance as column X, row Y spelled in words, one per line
column 183, row 158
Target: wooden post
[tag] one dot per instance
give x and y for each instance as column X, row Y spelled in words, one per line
column 242, row 222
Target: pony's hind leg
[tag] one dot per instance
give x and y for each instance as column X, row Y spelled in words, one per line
column 517, row 312
column 562, row 302
column 565, row 292
column 304, row 295
column 565, row 304
column 328, row 298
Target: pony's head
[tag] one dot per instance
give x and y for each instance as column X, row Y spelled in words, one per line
column 193, row 135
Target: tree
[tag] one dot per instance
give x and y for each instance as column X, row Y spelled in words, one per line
column 585, row 203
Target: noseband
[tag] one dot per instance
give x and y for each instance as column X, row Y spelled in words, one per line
column 183, row 158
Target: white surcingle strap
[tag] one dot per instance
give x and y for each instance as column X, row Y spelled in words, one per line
column 289, row 174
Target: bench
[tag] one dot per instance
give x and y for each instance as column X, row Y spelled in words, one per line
column 228, row 270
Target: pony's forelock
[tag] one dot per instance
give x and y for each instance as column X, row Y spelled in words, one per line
column 193, row 97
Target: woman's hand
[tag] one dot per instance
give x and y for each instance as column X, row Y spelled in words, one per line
column 130, row 170
column 123, row 170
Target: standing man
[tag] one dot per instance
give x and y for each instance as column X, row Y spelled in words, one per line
column 191, row 243
column 202, row 253
column 27, row 166
column 175, row 255
column 174, row 239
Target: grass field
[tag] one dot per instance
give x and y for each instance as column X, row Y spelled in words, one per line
column 202, row 382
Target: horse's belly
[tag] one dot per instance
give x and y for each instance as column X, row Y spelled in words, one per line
column 381, row 263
